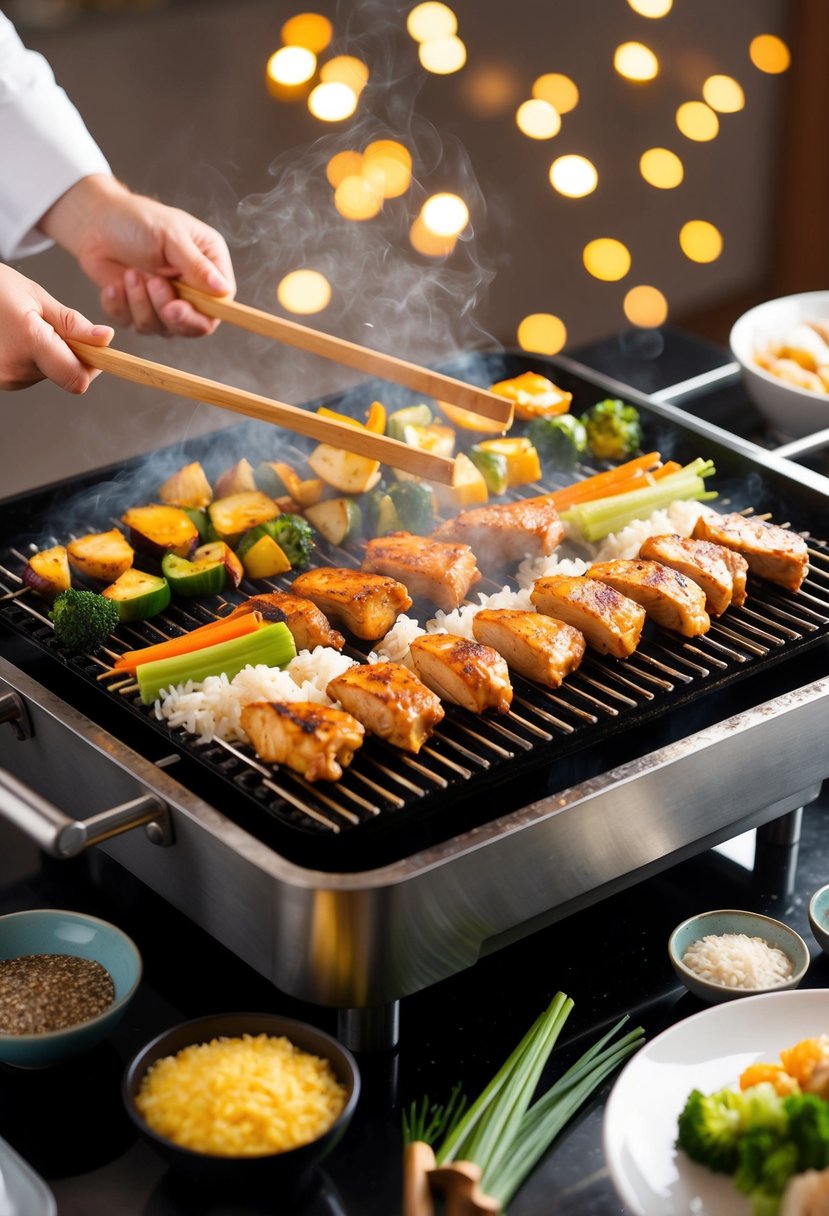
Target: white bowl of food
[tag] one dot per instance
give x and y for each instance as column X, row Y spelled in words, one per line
column 783, row 349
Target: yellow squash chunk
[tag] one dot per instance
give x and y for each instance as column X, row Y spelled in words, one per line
column 188, row 487
column 237, row 513
column 534, row 395
column 523, row 464
column 265, row 559
column 345, row 471
column 101, row 555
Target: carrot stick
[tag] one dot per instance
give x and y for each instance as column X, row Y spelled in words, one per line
column 600, row 484
column 196, row 639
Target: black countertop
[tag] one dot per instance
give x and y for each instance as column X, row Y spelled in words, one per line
column 612, row 959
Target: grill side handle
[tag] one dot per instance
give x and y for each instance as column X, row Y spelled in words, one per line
column 61, row 836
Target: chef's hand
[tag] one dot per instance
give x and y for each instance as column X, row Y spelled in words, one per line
column 32, row 327
column 132, row 246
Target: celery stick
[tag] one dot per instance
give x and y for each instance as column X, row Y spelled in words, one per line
column 599, row 518
column 272, row 645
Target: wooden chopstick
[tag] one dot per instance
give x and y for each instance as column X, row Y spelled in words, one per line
column 304, row 422
column 372, row 362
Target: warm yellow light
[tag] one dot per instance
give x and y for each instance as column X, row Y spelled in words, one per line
column 646, row 306
column 304, row 291
column 635, row 61
column 445, row 214
column 431, row 20
column 723, row 93
column 538, row 119
column 607, row 259
column 429, row 243
column 700, row 241
column 697, row 121
column 560, row 91
column 357, row 199
column 542, row 332
column 343, row 164
column 661, row 168
column 310, row 30
column 345, row 69
column 292, row 65
column 489, row 90
column 442, row 55
column 651, row 8
column 573, row 176
column 332, row 102
column 769, row 53
column 387, row 165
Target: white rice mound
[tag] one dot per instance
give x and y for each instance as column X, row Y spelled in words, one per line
column 212, row 708
column 459, row 620
column 394, row 647
column 736, row 960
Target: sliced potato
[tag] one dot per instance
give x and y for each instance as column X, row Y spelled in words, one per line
column 236, row 513
column 345, row 471
column 338, row 519
column 101, row 555
column 188, row 487
column 161, row 529
column 238, row 479
column 47, row 572
column 469, row 489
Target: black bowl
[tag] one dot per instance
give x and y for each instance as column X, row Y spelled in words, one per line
column 287, row 1170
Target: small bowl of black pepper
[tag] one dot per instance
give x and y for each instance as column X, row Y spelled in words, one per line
column 65, row 981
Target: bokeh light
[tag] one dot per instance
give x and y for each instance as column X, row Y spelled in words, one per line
column 489, row 90
column 573, row 176
column 347, row 70
column 431, row 20
column 645, row 306
column 697, row 121
column 651, row 8
column 291, row 65
column 538, row 119
column 769, row 53
column 442, row 56
column 542, row 332
column 430, row 244
column 724, row 93
column 700, row 241
column 661, row 168
column 387, row 166
column 304, row 291
column 332, row 101
column 445, row 215
column 310, row 30
column 635, row 61
column 342, row 165
column 356, row 198
column 606, row 259
column 560, row 91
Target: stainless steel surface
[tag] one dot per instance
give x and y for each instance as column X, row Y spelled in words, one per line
column 805, row 446
column 695, row 386
column 355, row 941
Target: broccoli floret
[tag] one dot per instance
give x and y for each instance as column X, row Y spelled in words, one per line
column 766, row 1160
column 295, row 537
column 614, row 431
column 709, row 1129
column 808, row 1117
column 83, row 619
column 559, row 441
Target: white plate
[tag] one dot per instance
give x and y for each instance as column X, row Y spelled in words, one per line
column 706, row 1051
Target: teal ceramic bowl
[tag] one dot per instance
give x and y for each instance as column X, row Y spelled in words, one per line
column 733, row 920
column 819, row 917
column 56, row 931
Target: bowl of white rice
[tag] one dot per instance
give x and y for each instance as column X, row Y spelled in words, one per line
column 730, row 953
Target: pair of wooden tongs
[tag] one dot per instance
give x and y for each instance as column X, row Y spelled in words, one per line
column 458, row 1183
column 325, row 430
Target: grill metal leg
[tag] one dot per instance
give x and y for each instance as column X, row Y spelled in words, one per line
column 776, row 855
column 376, row 1028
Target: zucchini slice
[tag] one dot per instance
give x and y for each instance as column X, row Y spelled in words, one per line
column 218, row 551
column 204, row 577
column 138, row 595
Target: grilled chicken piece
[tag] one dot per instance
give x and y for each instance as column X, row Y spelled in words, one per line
column 668, row 597
column 317, row 741
column 390, row 701
column 464, row 672
column 611, row 623
column 772, row 552
column 710, row 566
column 308, row 626
column 537, row 646
column 506, row 532
column 367, row 604
column 441, row 572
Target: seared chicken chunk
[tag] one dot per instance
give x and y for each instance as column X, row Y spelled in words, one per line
column 669, row 599
column 367, row 604
column 308, row 626
column 772, row 552
column 439, row 571
column 464, row 672
column 611, row 623
column 708, row 565
column 506, row 532
column 537, row 646
column 317, row 741
column 390, row 701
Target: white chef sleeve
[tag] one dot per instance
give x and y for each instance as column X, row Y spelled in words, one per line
column 44, row 146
